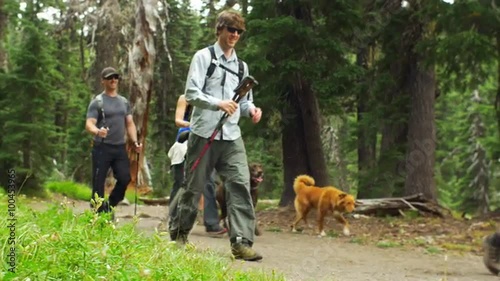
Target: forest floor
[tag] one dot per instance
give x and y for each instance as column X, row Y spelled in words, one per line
column 378, row 248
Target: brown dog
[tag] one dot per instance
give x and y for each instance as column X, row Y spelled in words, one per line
column 256, row 177
column 324, row 200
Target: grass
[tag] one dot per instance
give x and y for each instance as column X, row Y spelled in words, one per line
column 70, row 189
column 274, row 229
column 433, row 250
column 388, row 244
column 359, row 240
column 457, row 247
column 265, row 205
column 60, row 245
column 79, row 191
column 418, row 241
column 332, row 233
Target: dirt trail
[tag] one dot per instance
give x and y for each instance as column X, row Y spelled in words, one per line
column 305, row 257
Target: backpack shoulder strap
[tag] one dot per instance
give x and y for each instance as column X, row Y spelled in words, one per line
column 213, row 61
column 241, row 69
column 100, row 108
column 99, row 101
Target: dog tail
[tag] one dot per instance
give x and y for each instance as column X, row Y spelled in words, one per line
column 301, row 182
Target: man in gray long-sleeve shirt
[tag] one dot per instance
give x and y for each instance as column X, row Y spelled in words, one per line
column 211, row 98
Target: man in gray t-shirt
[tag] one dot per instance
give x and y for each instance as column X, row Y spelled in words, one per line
column 109, row 118
column 115, row 109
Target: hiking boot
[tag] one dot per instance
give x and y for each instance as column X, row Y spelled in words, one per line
column 491, row 256
column 216, row 232
column 111, row 215
column 108, row 212
column 179, row 237
column 242, row 251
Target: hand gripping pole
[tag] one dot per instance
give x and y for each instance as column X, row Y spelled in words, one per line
column 240, row 92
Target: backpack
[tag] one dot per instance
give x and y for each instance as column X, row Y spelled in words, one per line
column 214, row 63
column 100, row 108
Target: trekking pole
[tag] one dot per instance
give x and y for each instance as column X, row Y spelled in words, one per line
column 241, row 91
column 136, row 184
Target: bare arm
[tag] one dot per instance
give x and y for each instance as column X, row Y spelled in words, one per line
column 91, row 122
column 131, row 129
column 90, row 126
column 180, row 110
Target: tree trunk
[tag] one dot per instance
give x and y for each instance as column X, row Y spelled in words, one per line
column 229, row 4
column 107, row 37
column 302, row 147
column 244, row 7
column 497, row 100
column 479, row 169
column 293, row 143
column 307, row 157
column 141, row 66
column 309, row 110
column 367, row 133
column 420, row 155
column 420, row 83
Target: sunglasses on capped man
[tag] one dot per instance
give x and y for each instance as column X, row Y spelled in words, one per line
column 111, row 77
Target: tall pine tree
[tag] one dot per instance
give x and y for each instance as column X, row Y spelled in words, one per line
column 29, row 138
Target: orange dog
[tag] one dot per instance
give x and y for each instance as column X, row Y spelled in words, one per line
column 324, row 200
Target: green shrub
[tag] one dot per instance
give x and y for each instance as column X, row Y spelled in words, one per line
column 388, row 244
column 79, row 191
column 60, row 245
column 70, row 189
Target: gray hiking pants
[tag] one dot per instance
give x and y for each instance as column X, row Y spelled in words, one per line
column 230, row 160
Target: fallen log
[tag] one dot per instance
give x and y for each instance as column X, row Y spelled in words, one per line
column 398, row 205
column 155, row 201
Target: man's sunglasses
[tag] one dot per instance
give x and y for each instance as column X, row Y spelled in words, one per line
column 233, row 30
column 115, row 76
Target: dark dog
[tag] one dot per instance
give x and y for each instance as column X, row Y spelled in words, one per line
column 256, row 177
column 491, row 257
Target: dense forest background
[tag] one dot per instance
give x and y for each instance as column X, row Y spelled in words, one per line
column 379, row 98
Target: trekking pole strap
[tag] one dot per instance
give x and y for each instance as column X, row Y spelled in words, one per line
column 217, row 63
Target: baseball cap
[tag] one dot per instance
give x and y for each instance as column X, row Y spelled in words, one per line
column 108, row 71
